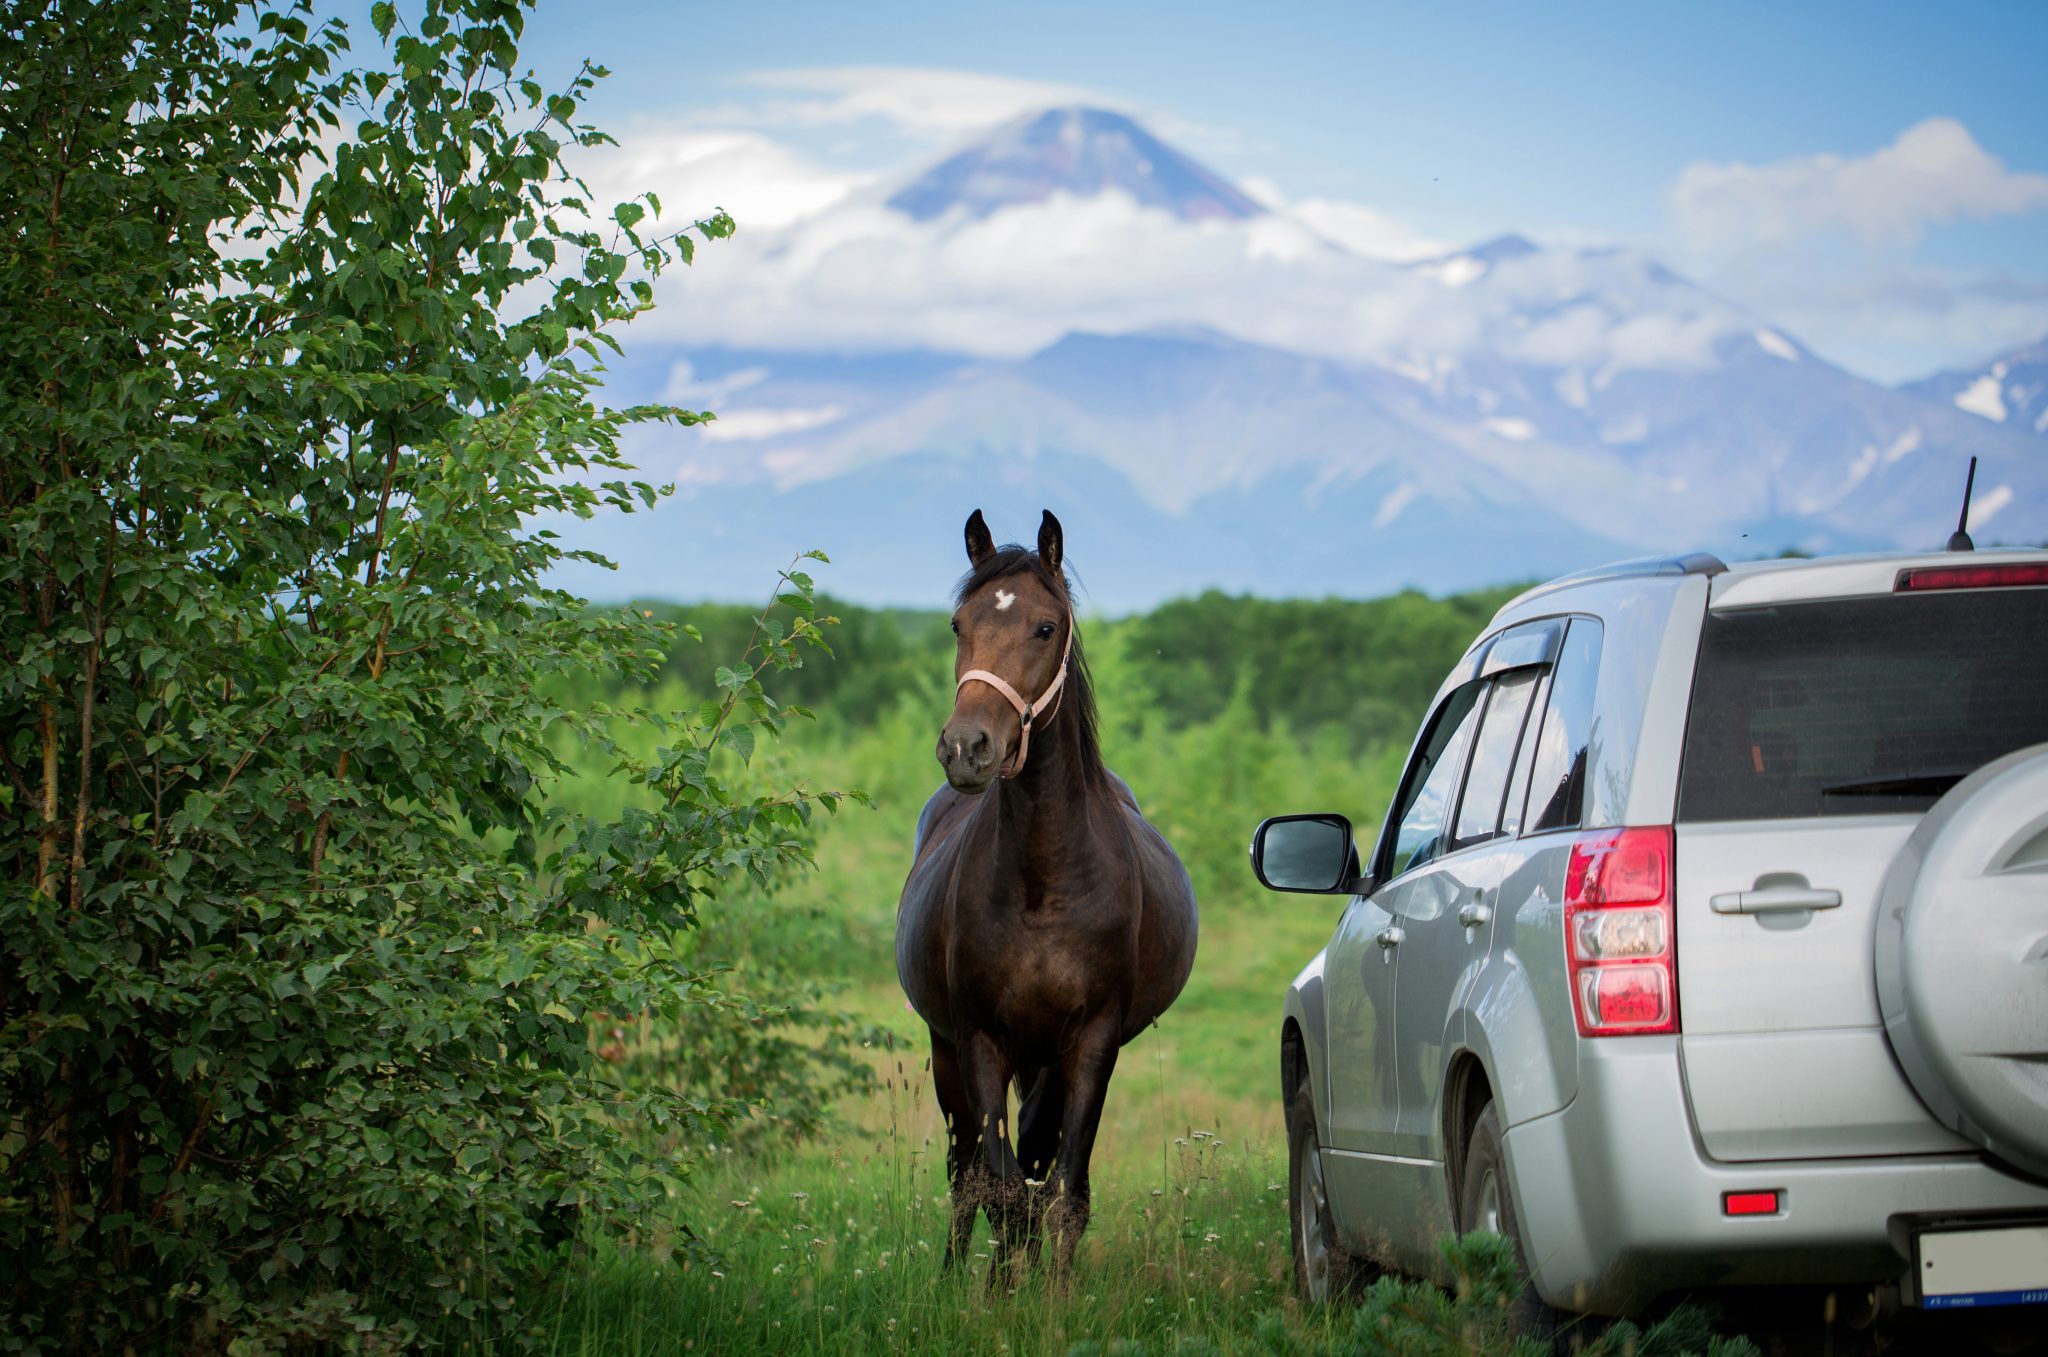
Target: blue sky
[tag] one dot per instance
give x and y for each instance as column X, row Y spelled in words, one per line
column 1569, row 123
column 1497, row 113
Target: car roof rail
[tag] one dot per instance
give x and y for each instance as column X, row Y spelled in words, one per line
column 1693, row 563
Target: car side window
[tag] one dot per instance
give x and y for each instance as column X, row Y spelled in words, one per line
column 1493, row 754
column 1557, row 782
column 1518, row 781
column 1421, row 814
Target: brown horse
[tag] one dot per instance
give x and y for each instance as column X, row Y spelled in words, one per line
column 1044, row 923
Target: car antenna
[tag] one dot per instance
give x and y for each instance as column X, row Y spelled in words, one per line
column 1960, row 539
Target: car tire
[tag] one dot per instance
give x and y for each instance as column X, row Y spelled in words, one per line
column 1325, row 1272
column 1487, row 1203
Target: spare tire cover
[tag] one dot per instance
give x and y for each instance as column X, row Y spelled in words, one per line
column 1962, row 958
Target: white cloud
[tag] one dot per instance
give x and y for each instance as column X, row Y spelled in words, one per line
column 1263, row 191
column 687, row 389
column 1363, row 230
column 761, row 182
column 1890, row 320
column 1933, row 174
column 861, row 276
column 1983, row 510
column 746, row 426
column 913, row 98
column 821, row 263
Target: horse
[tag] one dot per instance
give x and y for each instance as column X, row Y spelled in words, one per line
column 1044, row 924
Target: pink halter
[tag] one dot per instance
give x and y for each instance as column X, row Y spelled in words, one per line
column 1027, row 712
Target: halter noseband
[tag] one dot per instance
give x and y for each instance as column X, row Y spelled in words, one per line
column 1027, row 712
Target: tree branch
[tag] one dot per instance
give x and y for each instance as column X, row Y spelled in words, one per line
column 85, row 706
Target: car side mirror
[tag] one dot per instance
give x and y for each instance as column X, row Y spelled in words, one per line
column 1311, row 854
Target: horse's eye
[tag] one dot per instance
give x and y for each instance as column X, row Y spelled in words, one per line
column 1045, row 630
column 956, row 626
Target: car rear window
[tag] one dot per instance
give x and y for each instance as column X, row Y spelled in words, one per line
column 1861, row 706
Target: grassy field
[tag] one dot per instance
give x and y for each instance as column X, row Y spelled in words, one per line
column 833, row 1245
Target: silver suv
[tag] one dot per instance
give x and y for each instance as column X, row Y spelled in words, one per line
column 1705, row 944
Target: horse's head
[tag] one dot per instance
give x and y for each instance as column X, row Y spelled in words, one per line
column 1015, row 627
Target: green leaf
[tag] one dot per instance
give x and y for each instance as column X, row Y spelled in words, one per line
column 383, row 15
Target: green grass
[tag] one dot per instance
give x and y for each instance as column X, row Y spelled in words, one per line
column 837, row 1246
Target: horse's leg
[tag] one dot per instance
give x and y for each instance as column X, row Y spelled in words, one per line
column 1038, row 1118
column 1085, row 1066
column 963, row 1175
column 985, row 1069
column 1038, row 1139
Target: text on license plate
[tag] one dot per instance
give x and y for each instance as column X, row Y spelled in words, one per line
column 1961, row 1269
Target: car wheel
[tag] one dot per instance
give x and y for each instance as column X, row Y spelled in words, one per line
column 1960, row 993
column 1486, row 1202
column 1324, row 1271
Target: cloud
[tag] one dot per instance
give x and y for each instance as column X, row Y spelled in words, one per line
column 761, row 182
column 746, row 426
column 913, row 98
column 1363, row 230
column 1935, row 173
column 1896, row 320
column 859, row 276
column 821, row 263
column 687, row 389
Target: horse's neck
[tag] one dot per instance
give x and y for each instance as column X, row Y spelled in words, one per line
column 1047, row 810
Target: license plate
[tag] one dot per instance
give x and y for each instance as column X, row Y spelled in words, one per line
column 1966, row 1269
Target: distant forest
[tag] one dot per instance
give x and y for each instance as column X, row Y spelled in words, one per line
column 1365, row 668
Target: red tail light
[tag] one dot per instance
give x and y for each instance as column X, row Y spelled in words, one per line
column 1970, row 576
column 1620, row 939
column 1749, row 1203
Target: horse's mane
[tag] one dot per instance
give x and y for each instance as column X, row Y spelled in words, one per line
column 1077, row 700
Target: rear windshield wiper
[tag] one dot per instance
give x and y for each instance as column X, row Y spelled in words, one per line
column 1896, row 784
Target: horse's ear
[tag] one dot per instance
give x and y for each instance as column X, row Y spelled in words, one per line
column 1051, row 542
column 980, row 545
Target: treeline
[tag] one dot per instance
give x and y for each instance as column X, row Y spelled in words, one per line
column 1365, row 667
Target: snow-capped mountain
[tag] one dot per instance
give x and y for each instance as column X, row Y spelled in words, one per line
column 1079, row 151
column 1497, row 413
column 2011, row 389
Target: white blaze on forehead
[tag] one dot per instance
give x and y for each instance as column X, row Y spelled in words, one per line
column 1004, row 598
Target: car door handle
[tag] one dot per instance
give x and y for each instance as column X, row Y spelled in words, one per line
column 1473, row 915
column 1388, row 937
column 1775, row 900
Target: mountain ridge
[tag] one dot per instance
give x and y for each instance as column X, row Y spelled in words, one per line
column 2009, row 388
column 1564, row 406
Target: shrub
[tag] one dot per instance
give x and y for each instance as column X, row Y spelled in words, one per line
column 298, row 975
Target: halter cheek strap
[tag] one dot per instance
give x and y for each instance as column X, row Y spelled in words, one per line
column 1027, row 712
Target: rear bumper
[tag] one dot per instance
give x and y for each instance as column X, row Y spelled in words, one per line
column 1618, row 1203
